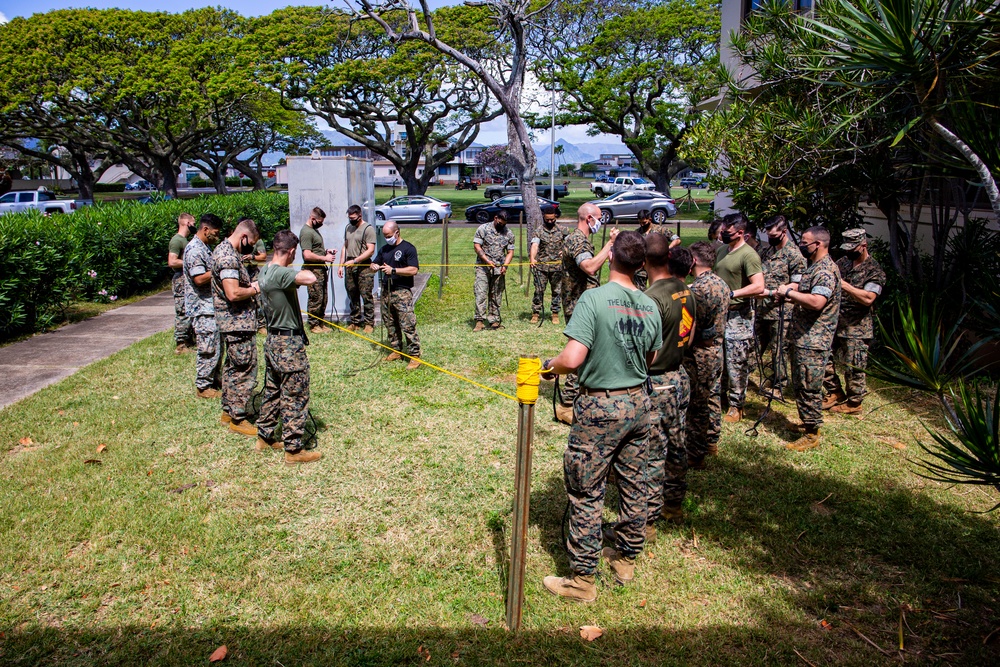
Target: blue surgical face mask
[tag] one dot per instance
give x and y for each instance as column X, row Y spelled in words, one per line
column 594, row 227
column 393, row 240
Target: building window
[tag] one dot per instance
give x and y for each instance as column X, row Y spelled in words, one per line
column 799, row 5
column 444, row 170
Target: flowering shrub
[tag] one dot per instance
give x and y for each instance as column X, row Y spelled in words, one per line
column 104, row 252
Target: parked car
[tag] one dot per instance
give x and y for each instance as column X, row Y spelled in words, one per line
column 466, row 184
column 414, row 208
column 689, row 182
column 141, row 184
column 626, row 206
column 620, row 184
column 511, row 187
column 39, row 200
column 513, row 204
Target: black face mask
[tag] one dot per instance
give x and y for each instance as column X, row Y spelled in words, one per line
column 317, row 224
column 726, row 237
column 853, row 255
column 246, row 248
column 549, row 224
column 500, row 227
column 775, row 240
column 804, row 249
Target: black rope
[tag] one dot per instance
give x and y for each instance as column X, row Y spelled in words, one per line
column 777, row 360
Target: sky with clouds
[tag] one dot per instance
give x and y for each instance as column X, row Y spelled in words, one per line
column 493, row 132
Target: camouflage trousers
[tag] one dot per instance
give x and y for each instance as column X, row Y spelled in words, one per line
column 318, row 295
column 571, row 383
column 286, row 390
column 852, row 354
column 546, row 278
column 400, row 320
column 206, row 333
column 183, row 333
column 738, row 342
column 668, row 456
column 253, row 270
column 359, row 281
column 767, row 340
column 704, row 415
column 239, row 373
column 608, row 432
column 808, row 368
column 488, row 289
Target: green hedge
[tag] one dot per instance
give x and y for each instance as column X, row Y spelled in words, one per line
column 104, row 252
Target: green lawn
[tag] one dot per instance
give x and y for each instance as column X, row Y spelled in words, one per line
column 390, row 550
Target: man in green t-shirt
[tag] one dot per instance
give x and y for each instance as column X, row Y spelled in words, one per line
column 315, row 256
column 286, row 376
column 356, row 254
column 613, row 334
column 183, row 333
column 739, row 266
column 671, row 395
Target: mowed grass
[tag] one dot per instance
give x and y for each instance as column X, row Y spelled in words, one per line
column 391, row 549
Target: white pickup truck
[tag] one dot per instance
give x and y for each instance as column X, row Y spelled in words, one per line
column 613, row 185
column 41, row 200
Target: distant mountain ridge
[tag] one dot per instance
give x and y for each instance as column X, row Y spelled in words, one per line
column 577, row 153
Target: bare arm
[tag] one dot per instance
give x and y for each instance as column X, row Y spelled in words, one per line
column 312, row 258
column 593, row 265
column 174, row 262
column 202, row 279
column 305, row 278
column 569, row 359
column 482, row 255
column 366, row 255
column 533, row 254
column 863, row 297
column 231, row 286
column 808, row 301
column 755, row 287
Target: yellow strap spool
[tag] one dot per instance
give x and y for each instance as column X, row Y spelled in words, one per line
column 528, row 369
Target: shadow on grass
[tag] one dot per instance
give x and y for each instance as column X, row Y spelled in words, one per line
column 851, row 549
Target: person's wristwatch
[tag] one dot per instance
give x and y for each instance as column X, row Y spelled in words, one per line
column 732, row 294
column 545, row 366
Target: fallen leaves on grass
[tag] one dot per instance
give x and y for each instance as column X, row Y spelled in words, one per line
column 182, row 489
column 219, row 654
column 642, row 603
column 93, row 462
column 479, row 620
column 424, row 653
column 101, row 447
column 591, row 632
column 25, row 442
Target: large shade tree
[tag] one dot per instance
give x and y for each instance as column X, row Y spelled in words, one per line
column 407, row 103
column 632, row 69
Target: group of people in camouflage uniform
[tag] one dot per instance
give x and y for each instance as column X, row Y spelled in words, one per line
column 651, row 353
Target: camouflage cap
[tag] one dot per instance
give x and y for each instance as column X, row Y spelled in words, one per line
column 853, row 238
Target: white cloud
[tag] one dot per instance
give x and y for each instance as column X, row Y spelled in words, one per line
column 3, row 18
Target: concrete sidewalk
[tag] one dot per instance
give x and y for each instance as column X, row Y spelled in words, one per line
column 44, row 359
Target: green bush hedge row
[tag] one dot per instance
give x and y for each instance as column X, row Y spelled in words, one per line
column 104, row 252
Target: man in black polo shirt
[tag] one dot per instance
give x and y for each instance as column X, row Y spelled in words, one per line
column 398, row 261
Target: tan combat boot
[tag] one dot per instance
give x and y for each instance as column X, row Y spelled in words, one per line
column 622, row 568
column 555, row 319
column 352, row 327
column 414, row 364
column 733, row 416
column 564, row 413
column 846, row 409
column 225, row 418
column 302, row 456
column 672, row 513
column 833, row 399
column 263, row 445
column 243, row 427
column 577, row 587
column 393, row 357
column 809, row 440
column 369, row 329
column 535, row 318
column 209, row 393
column 479, row 326
column 181, row 348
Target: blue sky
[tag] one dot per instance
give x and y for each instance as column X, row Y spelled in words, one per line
column 490, row 133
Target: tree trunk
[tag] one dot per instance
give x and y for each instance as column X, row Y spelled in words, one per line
column 982, row 170
column 254, row 174
column 168, row 177
column 219, row 180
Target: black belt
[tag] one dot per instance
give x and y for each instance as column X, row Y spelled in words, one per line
column 611, row 392
column 283, row 332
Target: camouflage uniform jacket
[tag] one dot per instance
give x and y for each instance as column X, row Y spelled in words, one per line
column 197, row 261
column 494, row 244
column 575, row 245
column 812, row 329
column 781, row 266
column 232, row 316
column 711, row 293
column 856, row 318
column 550, row 246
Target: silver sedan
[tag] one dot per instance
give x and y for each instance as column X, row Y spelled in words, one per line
column 626, row 205
column 414, row 208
